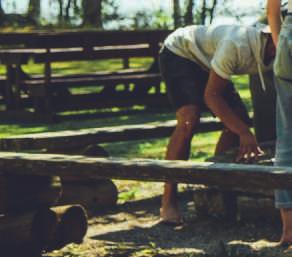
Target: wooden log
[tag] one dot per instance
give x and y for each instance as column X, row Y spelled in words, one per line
column 77, row 139
column 93, row 195
column 90, row 150
column 237, row 204
column 27, row 234
column 72, row 226
column 266, row 159
column 95, row 151
column 27, row 192
column 257, row 209
column 224, row 175
column 245, row 206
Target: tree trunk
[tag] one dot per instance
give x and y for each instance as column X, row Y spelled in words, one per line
column 2, row 14
column 67, row 11
column 60, row 16
column 176, row 13
column 212, row 9
column 92, row 13
column 204, row 12
column 189, row 18
column 34, row 10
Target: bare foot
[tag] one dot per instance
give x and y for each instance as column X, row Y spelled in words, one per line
column 286, row 238
column 170, row 214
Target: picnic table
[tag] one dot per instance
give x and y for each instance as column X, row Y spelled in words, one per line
column 49, row 93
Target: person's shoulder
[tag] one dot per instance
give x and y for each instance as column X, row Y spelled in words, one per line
column 237, row 34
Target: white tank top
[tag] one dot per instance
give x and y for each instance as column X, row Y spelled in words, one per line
column 289, row 6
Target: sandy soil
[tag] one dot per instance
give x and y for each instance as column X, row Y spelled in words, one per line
column 133, row 229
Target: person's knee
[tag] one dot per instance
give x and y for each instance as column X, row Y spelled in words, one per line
column 188, row 118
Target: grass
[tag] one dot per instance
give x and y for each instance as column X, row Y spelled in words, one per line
column 202, row 148
column 202, row 145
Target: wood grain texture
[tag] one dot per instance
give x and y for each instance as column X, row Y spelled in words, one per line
column 219, row 174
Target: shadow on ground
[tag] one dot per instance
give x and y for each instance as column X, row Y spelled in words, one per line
column 133, row 229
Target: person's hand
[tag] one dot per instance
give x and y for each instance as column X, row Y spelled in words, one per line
column 248, row 149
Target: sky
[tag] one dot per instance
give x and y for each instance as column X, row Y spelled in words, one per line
column 127, row 7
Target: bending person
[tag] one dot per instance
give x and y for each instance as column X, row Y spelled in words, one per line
column 196, row 63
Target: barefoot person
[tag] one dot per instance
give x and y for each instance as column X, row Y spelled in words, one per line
column 196, row 63
column 283, row 82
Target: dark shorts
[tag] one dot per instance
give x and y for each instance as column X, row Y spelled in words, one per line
column 186, row 82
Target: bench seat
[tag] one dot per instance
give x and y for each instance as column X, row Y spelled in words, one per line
column 38, row 87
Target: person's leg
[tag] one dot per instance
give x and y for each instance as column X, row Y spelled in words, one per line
column 283, row 83
column 283, row 198
column 178, row 149
column 185, row 82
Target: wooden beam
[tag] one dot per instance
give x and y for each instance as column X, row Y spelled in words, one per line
column 78, row 138
column 217, row 174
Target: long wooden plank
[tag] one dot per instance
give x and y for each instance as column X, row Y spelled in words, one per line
column 78, row 138
column 81, row 38
column 216, row 174
column 95, row 53
column 38, row 85
column 100, row 100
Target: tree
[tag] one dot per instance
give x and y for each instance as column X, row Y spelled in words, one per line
column 92, row 13
column 34, row 10
column 67, row 11
column 199, row 12
column 177, row 13
column 189, row 17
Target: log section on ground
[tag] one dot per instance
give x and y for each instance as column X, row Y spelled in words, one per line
column 32, row 232
column 217, row 174
column 27, row 233
column 22, row 193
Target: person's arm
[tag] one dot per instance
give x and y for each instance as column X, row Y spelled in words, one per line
column 274, row 18
column 248, row 148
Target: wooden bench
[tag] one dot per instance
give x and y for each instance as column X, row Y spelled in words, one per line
column 71, row 140
column 50, row 93
column 224, row 175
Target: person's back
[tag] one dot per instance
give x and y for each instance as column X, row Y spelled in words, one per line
column 228, row 49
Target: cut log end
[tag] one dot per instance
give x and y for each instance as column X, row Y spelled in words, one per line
column 93, row 195
column 72, row 226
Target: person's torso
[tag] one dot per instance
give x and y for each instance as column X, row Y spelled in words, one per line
column 200, row 43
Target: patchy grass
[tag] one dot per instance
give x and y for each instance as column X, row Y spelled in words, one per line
column 202, row 147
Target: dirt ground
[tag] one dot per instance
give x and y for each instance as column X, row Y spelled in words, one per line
column 133, row 229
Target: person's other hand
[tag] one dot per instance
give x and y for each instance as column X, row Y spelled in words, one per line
column 249, row 149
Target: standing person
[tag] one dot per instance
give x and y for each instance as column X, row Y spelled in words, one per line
column 196, row 63
column 283, row 82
